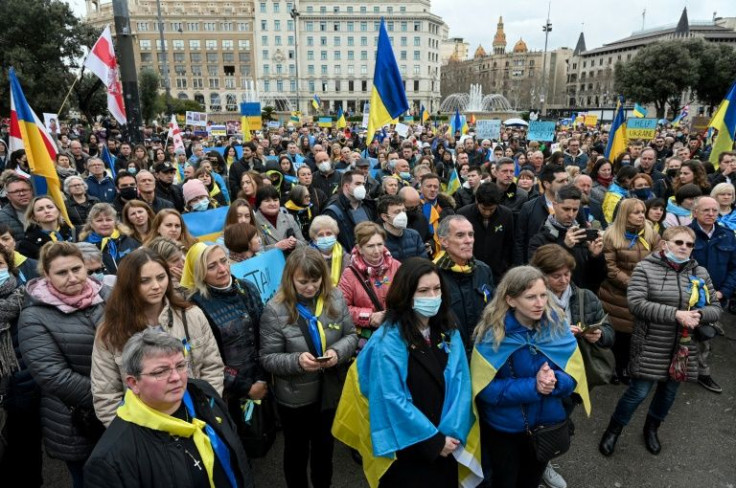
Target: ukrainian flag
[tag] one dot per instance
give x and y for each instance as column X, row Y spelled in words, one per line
column 295, row 117
column 617, row 134
column 245, row 127
column 457, row 122
column 639, row 111
column 206, row 226
column 317, row 103
column 341, row 123
column 40, row 147
column 388, row 98
column 724, row 120
column 423, row 115
column 376, row 416
column 453, row 184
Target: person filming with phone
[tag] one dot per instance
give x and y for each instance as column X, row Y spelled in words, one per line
column 307, row 339
column 584, row 245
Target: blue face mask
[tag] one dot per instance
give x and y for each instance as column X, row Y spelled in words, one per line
column 133, row 170
column 427, row 306
column 405, row 175
column 326, row 243
column 99, row 276
column 201, row 205
column 670, row 255
column 4, row 276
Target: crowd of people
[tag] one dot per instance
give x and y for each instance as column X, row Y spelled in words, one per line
column 130, row 349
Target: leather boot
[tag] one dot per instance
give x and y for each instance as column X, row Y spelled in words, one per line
column 650, row 435
column 610, row 436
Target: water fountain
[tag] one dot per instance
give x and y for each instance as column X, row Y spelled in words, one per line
column 473, row 102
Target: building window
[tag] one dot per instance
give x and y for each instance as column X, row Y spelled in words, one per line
column 403, row 42
column 277, row 25
column 417, row 55
column 417, row 41
column 290, row 41
column 194, row 45
column 417, row 69
column 323, row 26
column 417, row 26
column 292, row 85
column 227, row 45
column 337, row 55
column 310, row 41
column 178, row 44
column 243, row 26
column 309, row 26
column 264, row 25
column 228, row 57
column 364, row 55
column 264, row 54
column 323, row 41
column 193, row 26
column 142, row 26
column 336, row 41
column 336, row 27
column 290, row 25
column 351, row 69
column 363, row 41
column 264, row 40
column 402, row 55
column 310, row 86
column 210, row 44
column 244, row 57
column 310, row 69
column 351, row 55
column 338, row 69
column 267, row 86
column 276, row 7
column 146, row 57
column 416, row 85
column 277, row 40
column 323, row 69
column 145, row 44
column 363, row 69
column 244, row 44
column 323, row 55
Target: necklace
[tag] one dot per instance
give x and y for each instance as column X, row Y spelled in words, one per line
column 197, row 462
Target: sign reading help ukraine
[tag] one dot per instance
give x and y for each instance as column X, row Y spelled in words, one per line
column 640, row 128
column 263, row 270
column 542, row 131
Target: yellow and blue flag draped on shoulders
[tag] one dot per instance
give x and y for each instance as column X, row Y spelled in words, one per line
column 341, row 124
column 486, row 361
column 639, row 111
column 724, row 120
column 388, row 98
column 206, row 226
column 40, row 147
column 376, row 415
column 617, row 134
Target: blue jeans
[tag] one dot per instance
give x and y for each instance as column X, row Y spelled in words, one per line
column 637, row 392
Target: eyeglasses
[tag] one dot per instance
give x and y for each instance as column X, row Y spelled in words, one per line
column 19, row 192
column 679, row 242
column 165, row 373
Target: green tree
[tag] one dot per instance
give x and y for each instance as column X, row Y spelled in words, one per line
column 181, row 107
column 148, row 90
column 43, row 40
column 658, row 73
column 716, row 70
column 268, row 113
column 90, row 96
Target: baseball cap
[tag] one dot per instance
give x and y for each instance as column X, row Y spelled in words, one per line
column 163, row 167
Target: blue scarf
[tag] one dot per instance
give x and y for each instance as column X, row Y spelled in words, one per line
column 314, row 326
column 103, row 242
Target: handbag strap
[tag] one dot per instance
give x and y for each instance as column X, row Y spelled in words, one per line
column 523, row 410
column 368, row 289
column 581, row 307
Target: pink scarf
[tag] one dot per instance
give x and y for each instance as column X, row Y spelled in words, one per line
column 90, row 295
column 374, row 272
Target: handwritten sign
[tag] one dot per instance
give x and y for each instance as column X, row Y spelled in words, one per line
column 402, row 129
column 488, row 129
column 263, row 270
column 591, row 120
column 641, row 128
column 540, row 130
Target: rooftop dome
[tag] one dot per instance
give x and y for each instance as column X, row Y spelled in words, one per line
column 520, row 46
column 480, row 52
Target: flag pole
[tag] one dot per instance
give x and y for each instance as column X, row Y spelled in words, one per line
column 68, row 93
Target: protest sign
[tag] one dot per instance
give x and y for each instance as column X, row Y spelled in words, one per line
column 402, row 129
column 640, row 128
column 488, row 129
column 197, row 119
column 263, row 270
column 541, row 130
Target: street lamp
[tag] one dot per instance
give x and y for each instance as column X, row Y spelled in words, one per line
column 294, row 13
column 546, row 28
column 167, row 82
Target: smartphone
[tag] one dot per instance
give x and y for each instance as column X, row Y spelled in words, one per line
column 323, row 359
column 591, row 234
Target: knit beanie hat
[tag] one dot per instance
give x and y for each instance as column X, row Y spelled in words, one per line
column 192, row 189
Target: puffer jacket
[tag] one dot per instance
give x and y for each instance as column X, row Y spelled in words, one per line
column 408, row 245
column 271, row 235
column 717, row 254
column 655, row 293
column 620, row 263
column 57, row 348
column 108, row 387
column 282, row 342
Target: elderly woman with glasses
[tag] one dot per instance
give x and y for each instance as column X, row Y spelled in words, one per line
column 78, row 202
column 670, row 296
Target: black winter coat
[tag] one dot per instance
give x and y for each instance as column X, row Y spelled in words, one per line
column 131, row 456
column 78, row 211
column 34, row 239
column 494, row 244
column 409, row 244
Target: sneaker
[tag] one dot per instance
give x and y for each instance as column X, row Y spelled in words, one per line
column 708, row 383
column 552, row 478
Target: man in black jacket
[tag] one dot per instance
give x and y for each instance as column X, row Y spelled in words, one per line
column 493, row 225
column 403, row 243
column 245, row 163
column 165, row 187
column 351, row 208
column 513, row 197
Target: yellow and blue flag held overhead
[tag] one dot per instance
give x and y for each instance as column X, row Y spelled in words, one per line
column 388, row 97
column 316, row 103
column 341, row 123
column 639, row 111
column 617, row 134
column 26, row 127
column 724, row 121
column 453, row 183
column 206, row 226
column 423, row 115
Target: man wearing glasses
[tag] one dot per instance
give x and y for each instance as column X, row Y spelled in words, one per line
column 20, row 193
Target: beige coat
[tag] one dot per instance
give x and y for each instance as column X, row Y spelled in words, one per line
column 108, row 377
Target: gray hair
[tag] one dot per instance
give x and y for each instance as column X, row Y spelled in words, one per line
column 68, row 183
column 89, row 251
column 320, row 222
column 145, row 344
column 444, row 228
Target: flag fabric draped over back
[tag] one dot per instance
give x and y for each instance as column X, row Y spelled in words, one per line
column 40, row 147
column 388, row 98
column 724, row 120
column 617, row 135
column 103, row 63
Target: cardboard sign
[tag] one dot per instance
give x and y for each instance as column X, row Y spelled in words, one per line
column 263, row 270
column 402, row 129
column 541, row 130
column 591, row 120
column 697, row 123
column 488, row 129
column 197, row 119
column 641, row 128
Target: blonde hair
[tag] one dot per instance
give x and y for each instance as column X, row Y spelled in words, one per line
column 102, row 209
column 515, row 282
column 615, row 235
column 30, row 210
column 723, row 188
column 200, row 271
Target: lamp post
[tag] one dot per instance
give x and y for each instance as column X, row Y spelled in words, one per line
column 294, row 13
column 167, row 82
column 546, row 28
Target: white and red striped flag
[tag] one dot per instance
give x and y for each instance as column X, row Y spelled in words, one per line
column 103, row 63
column 175, row 133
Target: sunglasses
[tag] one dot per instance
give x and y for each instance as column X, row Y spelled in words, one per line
column 688, row 244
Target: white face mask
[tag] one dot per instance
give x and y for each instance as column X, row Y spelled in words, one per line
column 401, row 220
column 359, row 192
column 324, row 166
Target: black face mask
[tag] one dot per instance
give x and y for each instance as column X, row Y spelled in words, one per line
column 129, row 193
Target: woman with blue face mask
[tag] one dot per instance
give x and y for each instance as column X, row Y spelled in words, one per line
column 323, row 236
column 196, row 196
column 410, row 371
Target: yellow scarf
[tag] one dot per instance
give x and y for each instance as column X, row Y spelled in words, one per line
column 114, row 236
column 18, row 259
column 215, row 190
column 296, row 208
column 336, row 264
column 136, row 412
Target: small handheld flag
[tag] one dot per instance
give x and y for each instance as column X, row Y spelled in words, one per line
column 317, row 103
column 341, row 124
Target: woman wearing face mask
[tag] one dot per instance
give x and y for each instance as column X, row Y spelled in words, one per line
column 628, row 240
column 93, row 262
column 368, row 279
column 413, row 366
column 168, row 223
column 323, row 236
column 664, row 187
column 640, row 187
column 196, row 197
column 669, row 295
column 45, row 224
column 278, row 228
column 242, row 242
column 137, row 215
column 528, row 367
column 205, row 176
column 299, row 205
column 307, row 336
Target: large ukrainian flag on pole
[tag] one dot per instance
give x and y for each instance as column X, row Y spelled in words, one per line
column 388, row 98
column 724, row 120
column 39, row 146
column 617, row 135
